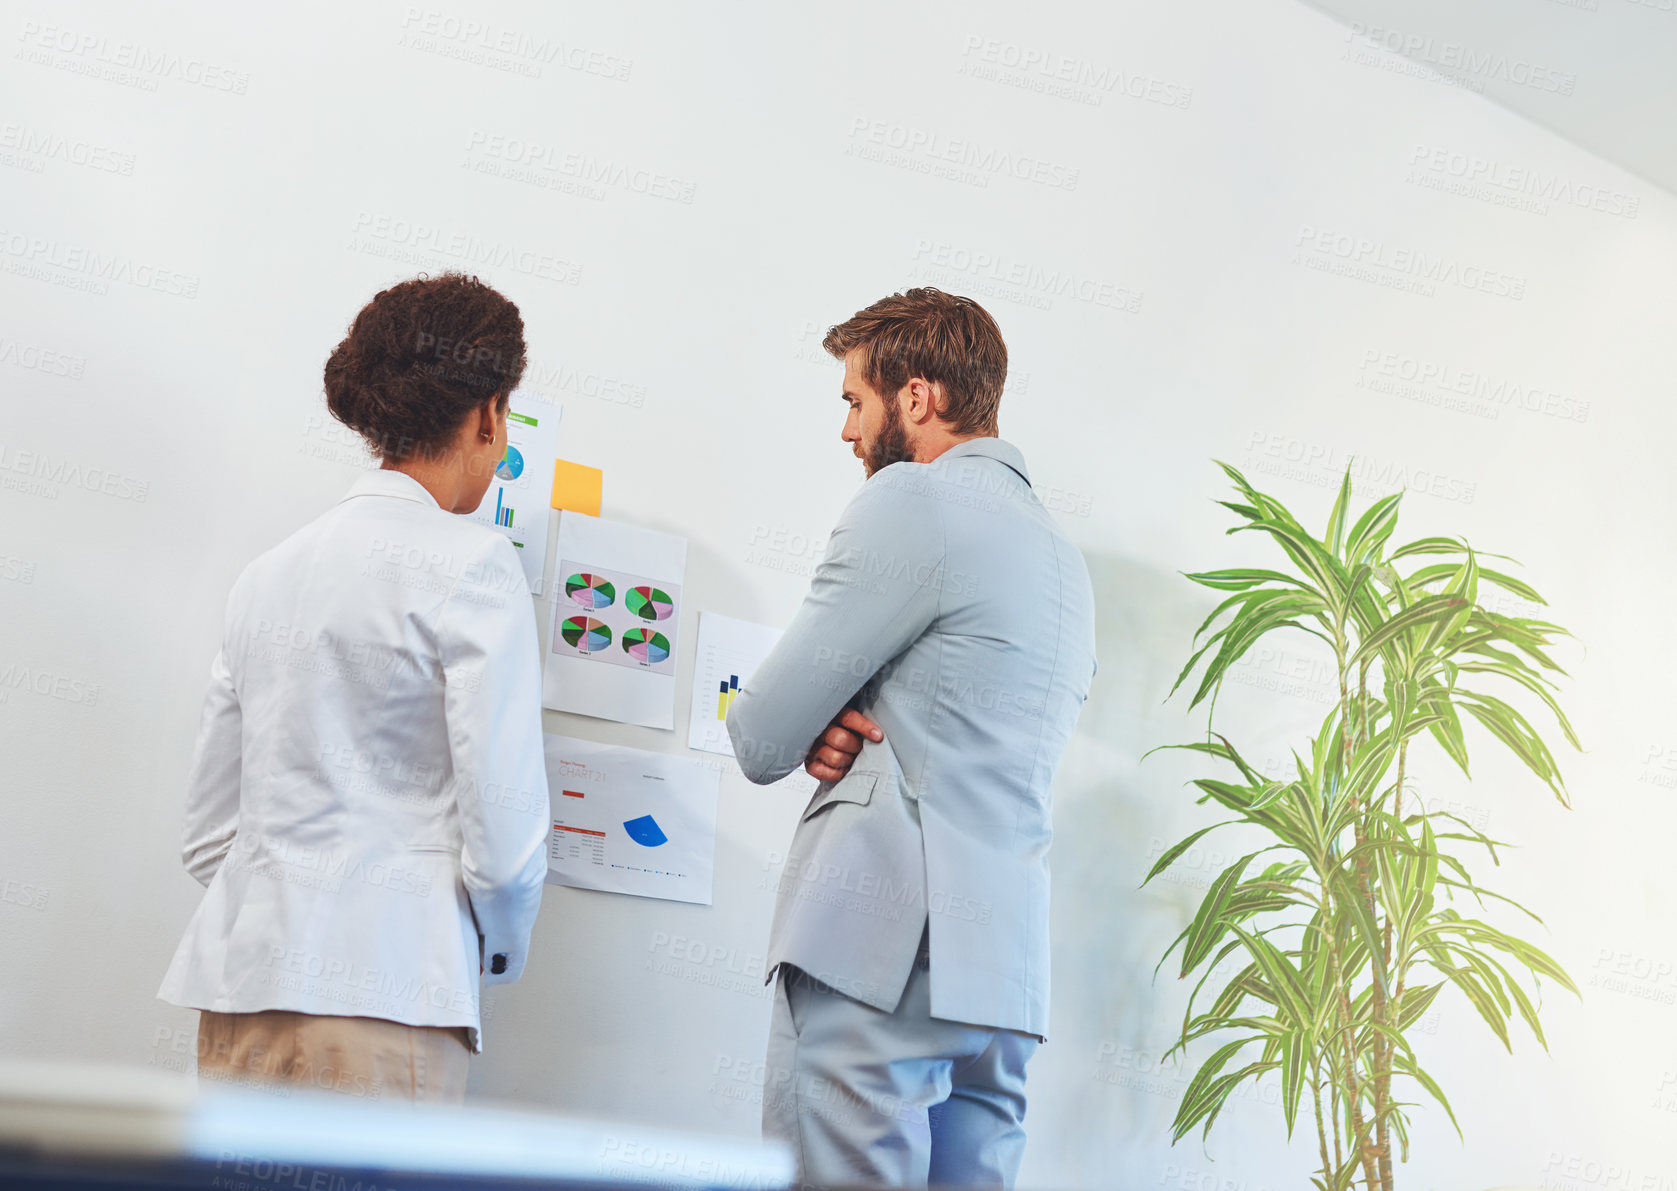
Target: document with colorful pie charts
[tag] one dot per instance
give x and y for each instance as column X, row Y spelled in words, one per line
column 629, row 821
column 516, row 504
column 616, row 611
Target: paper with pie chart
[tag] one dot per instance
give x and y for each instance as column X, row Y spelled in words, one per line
column 630, row 821
column 607, row 615
column 616, row 597
column 516, row 503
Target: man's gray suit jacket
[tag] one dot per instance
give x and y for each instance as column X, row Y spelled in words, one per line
column 951, row 610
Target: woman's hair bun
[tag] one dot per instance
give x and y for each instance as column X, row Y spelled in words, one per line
column 419, row 358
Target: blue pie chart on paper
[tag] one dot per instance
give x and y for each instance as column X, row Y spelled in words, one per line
column 645, row 831
column 512, row 466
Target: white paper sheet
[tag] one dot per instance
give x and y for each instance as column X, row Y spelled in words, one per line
column 729, row 650
column 616, row 612
column 521, row 494
column 629, row 821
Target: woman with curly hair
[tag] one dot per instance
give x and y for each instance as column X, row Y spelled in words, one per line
column 367, row 802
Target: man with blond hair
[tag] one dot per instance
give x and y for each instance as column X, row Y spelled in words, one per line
column 930, row 680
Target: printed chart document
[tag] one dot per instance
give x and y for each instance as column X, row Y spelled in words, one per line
column 629, row 821
column 729, row 650
column 516, row 504
column 616, row 609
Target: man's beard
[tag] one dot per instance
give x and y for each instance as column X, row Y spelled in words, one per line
column 892, row 444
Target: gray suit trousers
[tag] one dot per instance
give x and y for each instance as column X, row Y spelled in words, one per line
column 899, row 1099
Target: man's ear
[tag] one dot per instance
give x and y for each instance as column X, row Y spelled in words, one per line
column 940, row 399
column 921, row 398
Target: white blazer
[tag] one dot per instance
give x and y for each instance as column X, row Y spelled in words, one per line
column 367, row 801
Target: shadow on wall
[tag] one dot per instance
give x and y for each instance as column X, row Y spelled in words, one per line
column 1108, row 933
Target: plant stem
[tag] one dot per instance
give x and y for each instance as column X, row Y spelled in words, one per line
column 1365, row 1151
column 1353, row 1089
column 1383, row 1048
column 1338, row 1150
column 1379, row 1003
column 1321, row 1133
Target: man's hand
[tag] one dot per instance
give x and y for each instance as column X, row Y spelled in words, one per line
column 835, row 749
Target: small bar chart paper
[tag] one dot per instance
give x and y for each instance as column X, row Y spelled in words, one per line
column 629, row 821
column 516, row 504
column 729, row 650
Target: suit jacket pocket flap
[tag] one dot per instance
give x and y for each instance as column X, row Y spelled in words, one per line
column 852, row 787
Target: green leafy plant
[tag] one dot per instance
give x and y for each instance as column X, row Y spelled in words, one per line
column 1345, row 928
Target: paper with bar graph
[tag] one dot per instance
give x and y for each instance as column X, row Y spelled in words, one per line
column 516, row 504
column 729, row 650
column 616, row 612
column 629, row 821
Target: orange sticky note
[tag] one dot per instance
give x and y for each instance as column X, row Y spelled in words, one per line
column 576, row 487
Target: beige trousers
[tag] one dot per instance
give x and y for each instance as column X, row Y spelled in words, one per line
column 358, row 1056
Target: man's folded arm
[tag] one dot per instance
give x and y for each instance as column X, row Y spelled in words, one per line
column 873, row 594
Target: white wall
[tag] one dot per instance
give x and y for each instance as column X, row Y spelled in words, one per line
column 1227, row 128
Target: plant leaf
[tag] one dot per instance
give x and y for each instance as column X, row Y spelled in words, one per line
column 1175, row 850
column 1209, row 925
